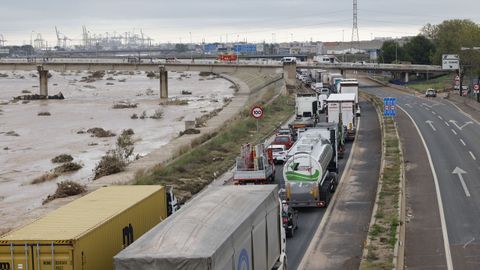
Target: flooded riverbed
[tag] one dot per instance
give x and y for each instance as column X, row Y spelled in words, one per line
column 28, row 141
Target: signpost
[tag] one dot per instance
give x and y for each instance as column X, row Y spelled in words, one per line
column 257, row 113
column 389, row 107
column 450, row 62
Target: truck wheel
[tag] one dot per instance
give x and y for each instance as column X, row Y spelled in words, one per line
column 291, row 232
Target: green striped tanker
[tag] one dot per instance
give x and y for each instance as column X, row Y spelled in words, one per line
column 310, row 170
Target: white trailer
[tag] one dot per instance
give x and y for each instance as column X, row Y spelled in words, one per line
column 309, row 172
column 341, row 109
column 349, row 86
column 307, row 106
column 223, row 228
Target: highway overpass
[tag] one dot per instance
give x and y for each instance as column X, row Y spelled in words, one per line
column 43, row 65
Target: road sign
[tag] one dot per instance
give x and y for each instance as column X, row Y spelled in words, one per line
column 257, row 112
column 450, row 62
column 457, row 78
column 389, row 106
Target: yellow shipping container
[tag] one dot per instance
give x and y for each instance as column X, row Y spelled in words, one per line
column 86, row 233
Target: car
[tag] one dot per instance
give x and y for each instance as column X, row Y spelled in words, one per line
column 289, row 219
column 279, row 153
column 431, row 93
column 286, row 140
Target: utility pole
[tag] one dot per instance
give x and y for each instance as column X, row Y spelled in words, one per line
column 355, row 36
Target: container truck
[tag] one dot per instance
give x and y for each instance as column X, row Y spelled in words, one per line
column 309, row 172
column 341, row 109
column 222, row 228
column 254, row 166
column 86, row 233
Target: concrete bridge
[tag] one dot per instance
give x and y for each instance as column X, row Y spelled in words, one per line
column 289, row 69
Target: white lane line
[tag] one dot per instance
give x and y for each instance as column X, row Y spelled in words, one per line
column 459, row 172
column 454, row 132
column 467, row 243
column 446, row 123
column 431, row 125
column 426, row 108
column 408, row 105
column 439, row 117
column 464, row 144
column 446, row 243
column 434, row 112
column 473, row 156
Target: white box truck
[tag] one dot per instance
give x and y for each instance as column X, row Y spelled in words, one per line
column 223, row 228
column 343, row 105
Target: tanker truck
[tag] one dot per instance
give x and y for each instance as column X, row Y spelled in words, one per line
column 310, row 171
column 222, row 228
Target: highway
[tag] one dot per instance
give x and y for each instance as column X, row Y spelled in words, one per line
column 451, row 138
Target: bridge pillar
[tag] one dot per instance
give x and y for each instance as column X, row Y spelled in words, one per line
column 342, row 72
column 43, row 76
column 289, row 73
column 163, row 83
column 405, row 77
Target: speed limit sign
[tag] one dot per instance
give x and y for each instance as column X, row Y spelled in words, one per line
column 257, row 112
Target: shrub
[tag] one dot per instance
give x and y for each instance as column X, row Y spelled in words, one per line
column 65, row 189
column 62, row 158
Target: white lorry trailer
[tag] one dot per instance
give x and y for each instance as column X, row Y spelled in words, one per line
column 254, row 166
column 341, row 109
column 349, row 86
column 223, row 228
column 307, row 105
column 309, row 172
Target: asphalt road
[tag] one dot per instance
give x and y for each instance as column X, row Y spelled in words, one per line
column 452, row 140
column 308, row 219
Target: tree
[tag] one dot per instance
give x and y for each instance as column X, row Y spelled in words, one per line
column 181, row 47
column 420, row 50
column 392, row 51
column 451, row 35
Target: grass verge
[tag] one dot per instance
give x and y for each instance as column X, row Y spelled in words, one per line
column 383, row 233
column 196, row 168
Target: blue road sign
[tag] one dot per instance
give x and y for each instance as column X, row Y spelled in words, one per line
column 389, row 106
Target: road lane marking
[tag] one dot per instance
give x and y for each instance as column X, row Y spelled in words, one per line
column 468, row 243
column 473, row 156
column 439, row 117
column 446, row 123
column 459, row 172
column 434, row 112
column 460, row 127
column 426, row 108
column 464, row 113
column 431, row 125
column 454, row 132
column 464, row 144
column 408, row 105
column 446, row 243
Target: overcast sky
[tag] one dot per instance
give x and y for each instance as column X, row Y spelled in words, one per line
column 215, row 20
